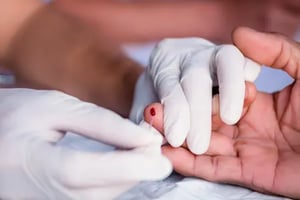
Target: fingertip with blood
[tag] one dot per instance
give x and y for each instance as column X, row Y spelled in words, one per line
column 152, row 111
column 153, row 114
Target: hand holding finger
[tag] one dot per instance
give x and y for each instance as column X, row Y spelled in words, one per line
column 153, row 114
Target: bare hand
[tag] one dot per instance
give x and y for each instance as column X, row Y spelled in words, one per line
column 262, row 150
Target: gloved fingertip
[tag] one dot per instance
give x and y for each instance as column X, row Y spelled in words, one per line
column 157, row 137
column 198, row 139
column 166, row 167
column 198, row 148
column 175, row 134
column 158, row 168
column 231, row 112
column 251, row 70
column 175, row 144
column 176, row 124
column 231, row 118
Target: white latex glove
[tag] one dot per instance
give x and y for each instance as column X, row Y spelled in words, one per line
column 181, row 74
column 33, row 166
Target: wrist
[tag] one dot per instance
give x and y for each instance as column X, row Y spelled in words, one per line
column 14, row 14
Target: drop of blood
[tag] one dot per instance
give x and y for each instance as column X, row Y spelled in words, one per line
column 152, row 112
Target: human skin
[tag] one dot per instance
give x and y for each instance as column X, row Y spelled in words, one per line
column 10, row 22
column 156, row 120
column 51, row 50
column 266, row 140
column 144, row 20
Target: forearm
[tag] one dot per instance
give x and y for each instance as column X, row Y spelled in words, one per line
column 153, row 20
column 13, row 14
column 55, row 51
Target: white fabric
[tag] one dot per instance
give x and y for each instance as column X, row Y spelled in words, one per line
column 178, row 188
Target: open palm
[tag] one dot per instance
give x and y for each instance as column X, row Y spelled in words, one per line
column 265, row 143
column 262, row 151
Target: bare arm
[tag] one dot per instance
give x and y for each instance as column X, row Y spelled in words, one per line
column 13, row 14
column 151, row 20
column 156, row 19
column 54, row 51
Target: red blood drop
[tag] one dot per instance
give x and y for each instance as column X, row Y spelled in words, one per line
column 152, row 112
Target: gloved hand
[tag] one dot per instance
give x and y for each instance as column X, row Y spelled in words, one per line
column 181, row 74
column 34, row 166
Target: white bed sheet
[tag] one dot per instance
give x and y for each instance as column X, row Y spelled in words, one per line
column 176, row 187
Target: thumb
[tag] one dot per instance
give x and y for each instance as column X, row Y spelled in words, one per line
column 269, row 49
column 100, row 124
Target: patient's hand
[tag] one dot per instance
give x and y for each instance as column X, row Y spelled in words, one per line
column 217, row 139
column 256, row 153
column 262, row 151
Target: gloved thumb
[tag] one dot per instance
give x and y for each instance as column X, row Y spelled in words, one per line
column 101, row 124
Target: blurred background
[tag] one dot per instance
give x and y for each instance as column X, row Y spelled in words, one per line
column 137, row 25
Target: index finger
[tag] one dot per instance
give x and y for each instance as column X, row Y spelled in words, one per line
column 166, row 74
column 270, row 49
